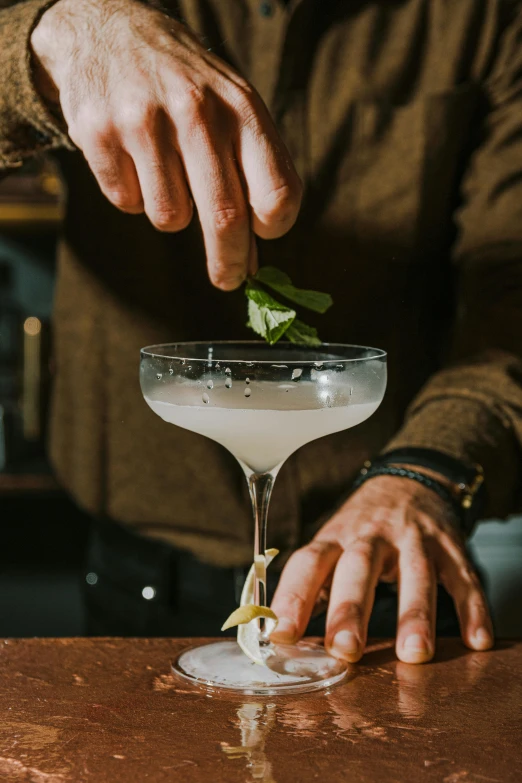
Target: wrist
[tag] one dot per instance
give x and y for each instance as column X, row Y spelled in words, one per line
column 461, row 484
column 431, row 474
column 57, row 37
column 47, row 43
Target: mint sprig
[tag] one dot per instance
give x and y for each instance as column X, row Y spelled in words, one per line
column 266, row 316
column 271, row 319
column 298, row 332
column 279, row 281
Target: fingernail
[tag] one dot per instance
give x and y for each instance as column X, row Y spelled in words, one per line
column 285, row 631
column 346, row 643
column 417, row 644
column 482, row 638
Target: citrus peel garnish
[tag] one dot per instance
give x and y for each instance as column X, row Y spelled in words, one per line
column 249, row 613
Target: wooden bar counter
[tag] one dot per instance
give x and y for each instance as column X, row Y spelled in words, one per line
column 109, row 710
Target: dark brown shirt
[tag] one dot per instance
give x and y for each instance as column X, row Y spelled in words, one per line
column 405, row 123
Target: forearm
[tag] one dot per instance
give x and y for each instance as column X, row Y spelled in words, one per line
column 30, row 117
column 470, row 412
column 27, row 124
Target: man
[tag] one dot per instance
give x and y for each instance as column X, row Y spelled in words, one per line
column 403, row 122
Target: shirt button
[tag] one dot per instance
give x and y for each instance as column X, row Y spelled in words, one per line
column 266, row 8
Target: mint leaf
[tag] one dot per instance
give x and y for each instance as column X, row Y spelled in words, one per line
column 298, row 332
column 267, row 317
column 279, row 281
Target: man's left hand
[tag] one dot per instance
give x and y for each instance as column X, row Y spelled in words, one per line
column 393, row 530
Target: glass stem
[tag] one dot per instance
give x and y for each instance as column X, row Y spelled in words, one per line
column 260, row 486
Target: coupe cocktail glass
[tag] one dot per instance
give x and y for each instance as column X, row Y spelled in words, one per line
column 262, row 403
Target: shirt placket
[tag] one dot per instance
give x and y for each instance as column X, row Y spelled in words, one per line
column 269, row 25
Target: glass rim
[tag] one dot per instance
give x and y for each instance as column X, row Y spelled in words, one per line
column 148, row 352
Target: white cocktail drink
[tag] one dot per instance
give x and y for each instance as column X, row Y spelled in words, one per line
column 262, row 438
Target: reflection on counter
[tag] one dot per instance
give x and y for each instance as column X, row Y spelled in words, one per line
column 409, row 693
column 255, row 720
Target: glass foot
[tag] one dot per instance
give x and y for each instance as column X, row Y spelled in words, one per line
column 295, row 668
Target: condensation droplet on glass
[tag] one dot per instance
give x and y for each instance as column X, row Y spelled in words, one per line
column 205, row 398
column 296, row 374
column 171, row 371
column 250, row 364
column 328, row 401
column 247, row 380
column 318, row 365
column 218, row 366
column 210, row 384
column 228, row 371
column 190, row 367
column 159, row 376
column 351, row 390
column 340, row 366
column 228, row 383
column 248, row 392
column 183, row 361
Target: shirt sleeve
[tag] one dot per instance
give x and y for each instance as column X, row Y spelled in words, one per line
column 27, row 124
column 472, row 408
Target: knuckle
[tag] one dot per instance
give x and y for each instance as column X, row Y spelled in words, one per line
column 281, row 204
column 93, row 127
column 184, row 215
column 193, row 103
column 228, row 218
column 348, row 610
column 362, row 548
column 318, row 549
column 137, row 118
column 419, row 613
column 293, row 603
column 479, row 605
column 123, row 200
column 165, row 219
column 246, row 104
column 468, row 576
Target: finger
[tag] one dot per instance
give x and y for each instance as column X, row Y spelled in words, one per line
column 417, row 605
column 204, row 138
column 273, row 186
column 462, row 583
column 161, row 175
column 351, row 598
column 115, row 172
column 299, row 586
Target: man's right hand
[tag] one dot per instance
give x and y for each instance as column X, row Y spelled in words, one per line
column 163, row 122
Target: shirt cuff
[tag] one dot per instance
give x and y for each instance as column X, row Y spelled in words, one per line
column 27, row 124
column 482, row 436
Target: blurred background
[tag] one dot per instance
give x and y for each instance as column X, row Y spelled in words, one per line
column 43, row 534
